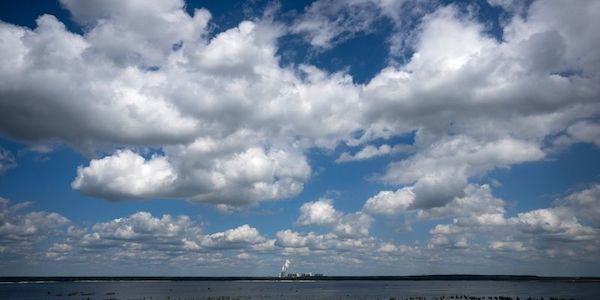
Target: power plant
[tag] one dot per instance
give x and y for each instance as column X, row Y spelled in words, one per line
column 286, row 265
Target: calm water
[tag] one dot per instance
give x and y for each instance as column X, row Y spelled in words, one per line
column 298, row 290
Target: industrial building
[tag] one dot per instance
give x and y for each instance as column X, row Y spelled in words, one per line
column 283, row 274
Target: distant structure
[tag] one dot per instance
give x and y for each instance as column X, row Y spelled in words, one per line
column 286, row 265
column 301, row 275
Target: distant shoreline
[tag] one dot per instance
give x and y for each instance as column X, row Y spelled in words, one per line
column 40, row 279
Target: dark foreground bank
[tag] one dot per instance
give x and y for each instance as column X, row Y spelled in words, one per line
column 298, row 289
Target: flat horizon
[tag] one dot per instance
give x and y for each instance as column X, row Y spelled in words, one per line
column 334, row 277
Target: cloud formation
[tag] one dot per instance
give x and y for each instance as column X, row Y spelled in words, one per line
column 21, row 229
column 320, row 212
column 480, row 229
column 326, row 23
column 166, row 107
column 142, row 236
column 228, row 125
column 125, row 175
column 389, row 202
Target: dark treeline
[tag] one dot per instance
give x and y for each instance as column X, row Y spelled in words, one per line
column 322, row 278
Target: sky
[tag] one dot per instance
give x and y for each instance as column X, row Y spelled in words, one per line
column 363, row 137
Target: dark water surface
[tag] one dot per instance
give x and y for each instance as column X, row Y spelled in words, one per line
column 299, row 290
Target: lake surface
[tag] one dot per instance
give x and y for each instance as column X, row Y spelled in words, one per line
column 299, row 290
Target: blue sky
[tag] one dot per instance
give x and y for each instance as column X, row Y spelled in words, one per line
column 352, row 138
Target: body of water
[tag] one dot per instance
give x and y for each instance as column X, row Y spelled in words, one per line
column 301, row 290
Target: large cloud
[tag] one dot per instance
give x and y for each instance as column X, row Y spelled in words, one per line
column 440, row 172
column 474, row 200
column 229, row 125
column 239, row 178
column 319, row 212
column 479, row 158
column 125, row 174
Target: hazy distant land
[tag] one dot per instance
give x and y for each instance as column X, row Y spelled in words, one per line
column 322, row 278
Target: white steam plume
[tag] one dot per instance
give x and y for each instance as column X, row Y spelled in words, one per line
column 285, row 265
